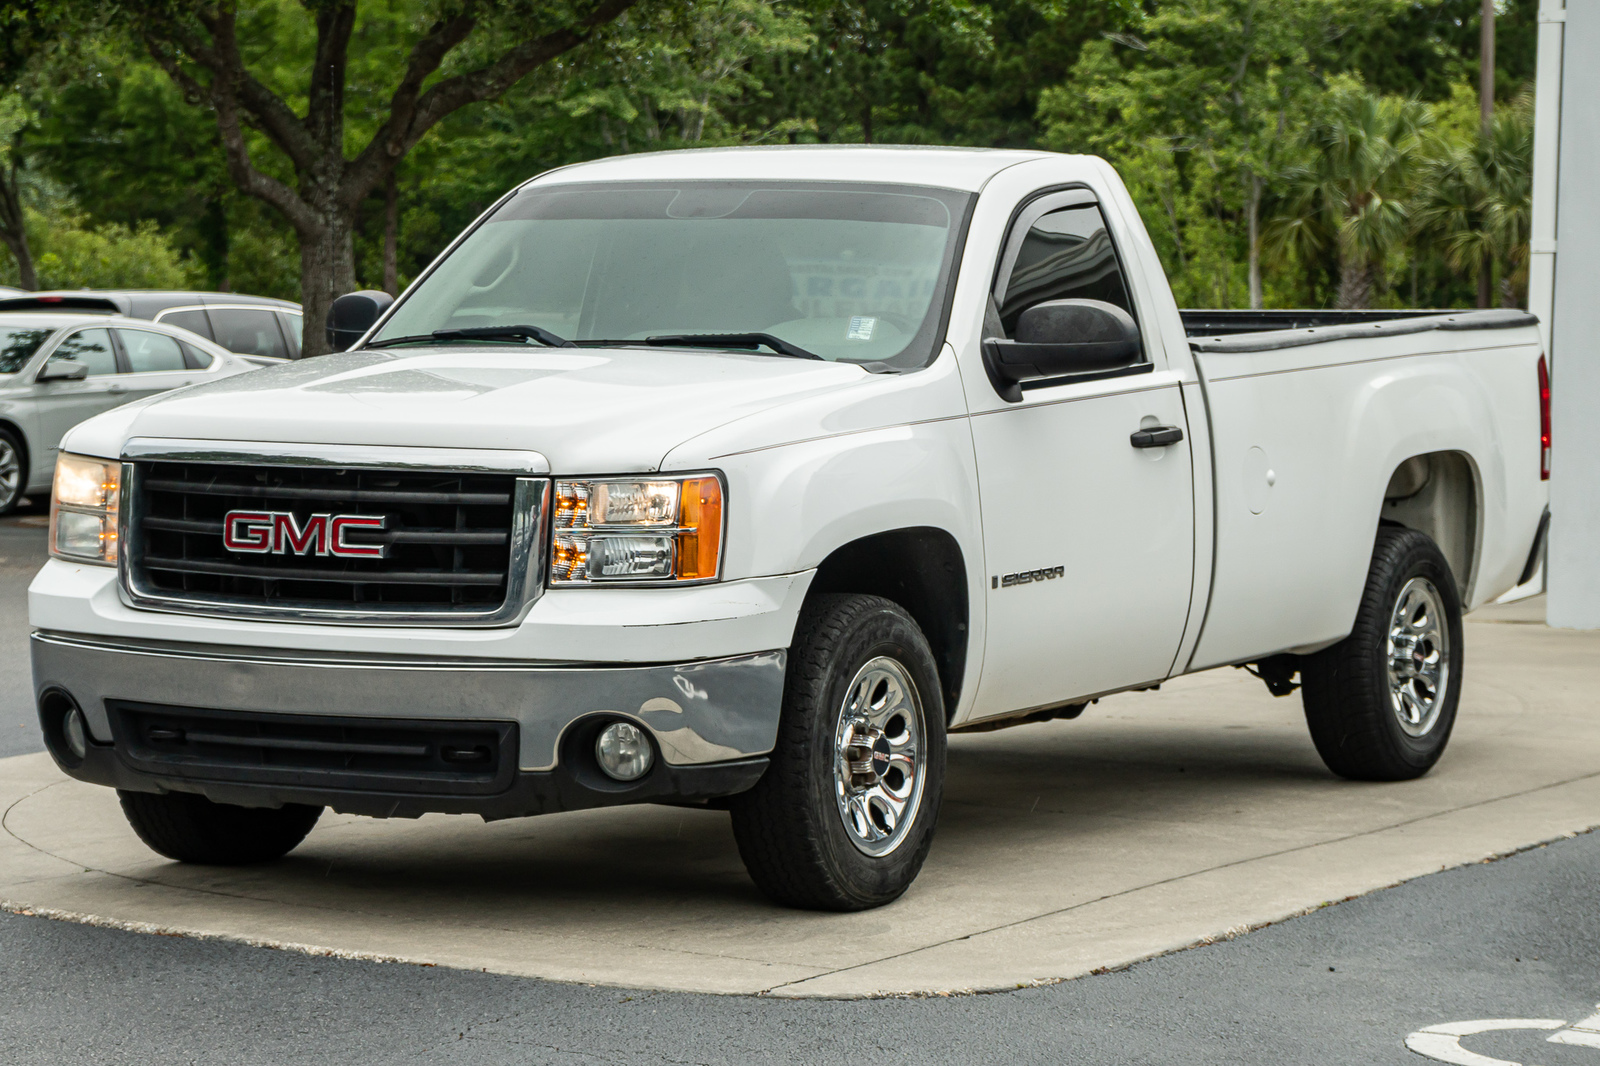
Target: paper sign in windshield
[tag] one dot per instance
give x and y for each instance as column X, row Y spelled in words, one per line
column 861, row 328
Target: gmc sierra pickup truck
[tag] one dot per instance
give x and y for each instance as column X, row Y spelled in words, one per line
column 741, row 478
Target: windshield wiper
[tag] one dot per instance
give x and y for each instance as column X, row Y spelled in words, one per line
column 489, row 333
column 486, row 333
column 732, row 340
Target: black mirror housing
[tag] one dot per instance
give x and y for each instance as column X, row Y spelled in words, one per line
column 353, row 314
column 1063, row 338
column 62, row 369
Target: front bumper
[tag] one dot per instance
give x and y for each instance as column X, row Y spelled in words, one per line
column 712, row 722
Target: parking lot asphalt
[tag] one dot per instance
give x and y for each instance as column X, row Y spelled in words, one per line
column 1514, row 938
column 23, row 536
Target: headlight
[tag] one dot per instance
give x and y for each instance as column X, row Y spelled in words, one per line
column 655, row 531
column 83, row 509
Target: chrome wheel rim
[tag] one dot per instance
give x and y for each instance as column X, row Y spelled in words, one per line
column 1419, row 657
column 10, row 474
column 880, row 751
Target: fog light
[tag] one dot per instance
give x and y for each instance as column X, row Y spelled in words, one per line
column 623, row 751
column 75, row 731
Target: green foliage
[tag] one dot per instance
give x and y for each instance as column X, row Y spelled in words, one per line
column 1291, row 152
column 70, row 254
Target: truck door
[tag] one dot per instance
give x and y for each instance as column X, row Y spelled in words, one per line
column 1088, row 539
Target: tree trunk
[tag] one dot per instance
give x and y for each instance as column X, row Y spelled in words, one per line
column 327, row 271
column 1253, row 222
column 14, row 230
column 1355, row 284
column 391, row 237
column 1486, row 281
column 1486, row 66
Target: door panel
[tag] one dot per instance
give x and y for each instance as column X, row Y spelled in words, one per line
column 1089, row 540
column 1063, row 487
column 60, row 405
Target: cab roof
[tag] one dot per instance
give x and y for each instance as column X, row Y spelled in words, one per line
column 964, row 169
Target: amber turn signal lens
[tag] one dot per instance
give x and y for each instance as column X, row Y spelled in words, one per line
column 700, row 515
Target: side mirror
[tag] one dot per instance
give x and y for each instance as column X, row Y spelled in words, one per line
column 61, row 368
column 1063, row 338
column 353, row 314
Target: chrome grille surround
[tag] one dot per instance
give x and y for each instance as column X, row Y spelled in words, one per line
column 525, row 560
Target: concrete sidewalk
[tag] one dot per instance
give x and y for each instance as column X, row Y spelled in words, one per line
column 1156, row 821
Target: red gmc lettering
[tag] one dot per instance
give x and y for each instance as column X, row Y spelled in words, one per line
column 288, row 536
column 342, row 524
column 280, row 532
column 247, row 531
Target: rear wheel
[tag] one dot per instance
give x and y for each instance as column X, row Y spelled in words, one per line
column 844, row 816
column 190, row 828
column 13, row 472
column 1381, row 703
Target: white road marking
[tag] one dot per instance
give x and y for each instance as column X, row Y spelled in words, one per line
column 1583, row 1034
column 1442, row 1042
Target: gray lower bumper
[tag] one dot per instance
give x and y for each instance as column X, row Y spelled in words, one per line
column 700, row 714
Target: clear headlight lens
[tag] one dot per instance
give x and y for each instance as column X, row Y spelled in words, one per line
column 619, row 530
column 83, row 509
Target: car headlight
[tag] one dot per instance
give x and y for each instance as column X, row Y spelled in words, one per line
column 656, row 531
column 83, row 509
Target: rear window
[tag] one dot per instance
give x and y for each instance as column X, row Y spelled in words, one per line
column 18, row 345
column 248, row 331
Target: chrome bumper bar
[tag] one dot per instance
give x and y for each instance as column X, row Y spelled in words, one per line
column 700, row 714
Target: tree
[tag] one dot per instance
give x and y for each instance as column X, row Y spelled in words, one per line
column 287, row 135
column 1476, row 203
column 1351, row 192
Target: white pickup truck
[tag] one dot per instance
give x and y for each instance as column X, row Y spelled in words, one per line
column 742, row 477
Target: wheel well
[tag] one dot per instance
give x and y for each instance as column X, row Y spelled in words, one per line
column 1437, row 494
column 22, row 442
column 922, row 570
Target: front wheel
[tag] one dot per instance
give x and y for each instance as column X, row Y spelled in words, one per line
column 844, row 816
column 1381, row 703
column 191, row 828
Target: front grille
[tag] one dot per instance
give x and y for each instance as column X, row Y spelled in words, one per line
column 449, row 540
column 316, row 751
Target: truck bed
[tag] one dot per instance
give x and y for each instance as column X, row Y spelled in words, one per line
column 1258, row 331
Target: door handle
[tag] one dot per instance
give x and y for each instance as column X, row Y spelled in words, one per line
column 1156, row 437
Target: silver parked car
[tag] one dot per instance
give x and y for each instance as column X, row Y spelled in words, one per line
column 57, row 370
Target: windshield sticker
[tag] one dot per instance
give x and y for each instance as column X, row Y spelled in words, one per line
column 860, row 328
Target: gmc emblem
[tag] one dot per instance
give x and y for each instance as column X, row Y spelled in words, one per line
column 278, row 532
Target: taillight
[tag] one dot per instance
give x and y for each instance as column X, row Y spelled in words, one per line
column 1544, row 420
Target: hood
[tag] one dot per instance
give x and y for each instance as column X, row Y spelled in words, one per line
column 586, row 410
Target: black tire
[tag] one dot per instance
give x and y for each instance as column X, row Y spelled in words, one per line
column 190, row 828
column 12, row 485
column 1354, row 716
column 790, row 827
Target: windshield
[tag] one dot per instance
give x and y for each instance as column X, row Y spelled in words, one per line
column 17, row 345
column 848, row 272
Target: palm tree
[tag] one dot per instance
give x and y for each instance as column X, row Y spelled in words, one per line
column 1350, row 192
column 1476, row 203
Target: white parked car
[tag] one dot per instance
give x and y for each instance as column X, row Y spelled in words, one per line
column 741, row 478
column 58, row 369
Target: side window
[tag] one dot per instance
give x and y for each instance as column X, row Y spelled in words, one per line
column 1067, row 254
column 92, row 347
column 149, row 351
column 195, row 359
column 249, row 331
column 293, row 325
column 193, row 321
